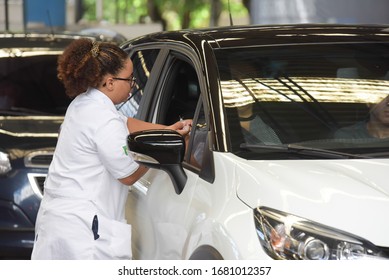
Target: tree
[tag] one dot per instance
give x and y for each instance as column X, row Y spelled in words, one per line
column 247, row 4
column 216, row 9
column 171, row 14
column 155, row 13
column 183, row 14
column 168, row 11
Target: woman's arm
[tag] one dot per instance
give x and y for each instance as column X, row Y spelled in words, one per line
column 134, row 176
column 137, row 125
column 183, row 127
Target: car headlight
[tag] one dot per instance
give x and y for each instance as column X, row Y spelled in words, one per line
column 5, row 165
column 288, row 237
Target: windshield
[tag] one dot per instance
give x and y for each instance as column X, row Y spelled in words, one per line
column 302, row 101
column 29, row 86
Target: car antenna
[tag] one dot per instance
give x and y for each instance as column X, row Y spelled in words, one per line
column 229, row 12
column 50, row 24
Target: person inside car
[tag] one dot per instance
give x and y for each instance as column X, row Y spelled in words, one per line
column 82, row 211
column 376, row 126
column 254, row 129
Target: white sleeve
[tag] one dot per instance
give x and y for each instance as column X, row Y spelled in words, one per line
column 111, row 142
column 124, row 118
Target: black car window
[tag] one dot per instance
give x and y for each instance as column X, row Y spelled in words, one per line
column 180, row 99
column 181, row 93
column 143, row 61
column 29, row 85
column 311, row 96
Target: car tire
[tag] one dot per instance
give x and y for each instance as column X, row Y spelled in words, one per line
column 206, row 253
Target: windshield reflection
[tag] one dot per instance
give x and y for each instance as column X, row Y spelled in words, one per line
column 331, row 97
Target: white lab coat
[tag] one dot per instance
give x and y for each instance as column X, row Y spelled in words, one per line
column 82, row 185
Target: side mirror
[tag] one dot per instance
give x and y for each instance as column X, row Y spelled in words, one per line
column 162, row 149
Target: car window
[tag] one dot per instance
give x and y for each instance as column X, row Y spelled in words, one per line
column 29, row 85
column 143, row 61
column 180, row 93
column 180, row 99
column 198, row 138
column 314, row 96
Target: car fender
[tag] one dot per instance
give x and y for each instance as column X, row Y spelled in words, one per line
column 208, row 240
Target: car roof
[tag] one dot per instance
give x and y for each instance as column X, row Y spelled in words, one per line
column 250, row 35
column 36, row 40
column 28, row 44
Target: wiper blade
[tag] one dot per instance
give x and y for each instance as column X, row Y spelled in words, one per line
column 296, row 149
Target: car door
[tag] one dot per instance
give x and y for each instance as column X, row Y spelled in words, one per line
column 160, row 216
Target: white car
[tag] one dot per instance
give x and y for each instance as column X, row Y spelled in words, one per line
column 288, row 157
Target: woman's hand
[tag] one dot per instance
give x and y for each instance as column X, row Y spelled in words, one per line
column 183, row 127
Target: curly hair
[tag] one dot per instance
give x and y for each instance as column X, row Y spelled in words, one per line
column 84, row 63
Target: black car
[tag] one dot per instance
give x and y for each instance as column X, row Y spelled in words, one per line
column 288, row 153
column 32, row 106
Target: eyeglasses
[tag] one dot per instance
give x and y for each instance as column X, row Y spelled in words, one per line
column 131, row 80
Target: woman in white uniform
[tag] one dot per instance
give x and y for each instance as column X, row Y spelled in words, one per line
column 82, row 211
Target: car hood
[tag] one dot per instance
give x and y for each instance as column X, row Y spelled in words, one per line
column 351, row 195
column 28, row 132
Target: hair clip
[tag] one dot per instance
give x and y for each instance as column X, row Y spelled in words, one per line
column 95, row 49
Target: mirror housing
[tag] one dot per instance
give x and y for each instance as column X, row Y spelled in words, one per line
column 161, row 149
